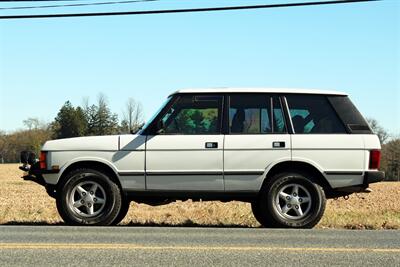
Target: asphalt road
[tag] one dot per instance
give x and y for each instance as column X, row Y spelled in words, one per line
column 177, row 246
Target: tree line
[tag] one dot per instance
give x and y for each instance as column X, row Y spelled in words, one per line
column 71, row 121
column 98, row 119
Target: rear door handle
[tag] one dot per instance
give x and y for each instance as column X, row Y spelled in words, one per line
column 278, row 144
column 211, row 145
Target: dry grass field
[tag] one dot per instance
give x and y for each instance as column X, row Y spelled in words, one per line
column 23, row 202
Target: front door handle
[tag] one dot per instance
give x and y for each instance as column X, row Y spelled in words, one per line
column 278, row 144
column 211, row 145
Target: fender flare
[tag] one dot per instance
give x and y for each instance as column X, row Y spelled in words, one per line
column 305, row 162
column 86, row 159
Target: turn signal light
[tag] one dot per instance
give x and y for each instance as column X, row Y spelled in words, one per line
column 43, row 160
column 374, row 159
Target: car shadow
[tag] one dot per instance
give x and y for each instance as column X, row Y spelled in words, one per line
column 187, row 223
column 27, row 223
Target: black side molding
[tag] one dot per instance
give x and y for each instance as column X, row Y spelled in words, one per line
column 144, row 196
column 343, row 173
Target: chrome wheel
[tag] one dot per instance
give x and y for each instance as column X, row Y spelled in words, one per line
column 87, row 199
column 293, row 201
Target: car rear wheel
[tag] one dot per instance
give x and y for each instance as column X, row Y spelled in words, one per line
column 89, row 197
column 291, row 200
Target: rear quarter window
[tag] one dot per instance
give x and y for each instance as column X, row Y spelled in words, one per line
column 313, row 114
column 349, row 114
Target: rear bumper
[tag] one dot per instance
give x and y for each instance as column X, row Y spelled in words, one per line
column 371, row 177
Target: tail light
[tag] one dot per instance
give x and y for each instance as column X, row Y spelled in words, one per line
column 374, row 159
column 43, row 160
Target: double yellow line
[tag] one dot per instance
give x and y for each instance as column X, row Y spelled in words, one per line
column 104, row 246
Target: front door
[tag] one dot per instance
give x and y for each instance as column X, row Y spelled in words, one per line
column 186, row 151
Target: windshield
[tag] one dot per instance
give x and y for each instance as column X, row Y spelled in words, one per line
column 155, row 114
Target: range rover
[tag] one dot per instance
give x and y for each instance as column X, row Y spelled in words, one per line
column 285, row 151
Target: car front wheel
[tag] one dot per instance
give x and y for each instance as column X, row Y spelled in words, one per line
column 89, row 197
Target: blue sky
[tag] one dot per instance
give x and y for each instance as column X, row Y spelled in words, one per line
column 350, row 47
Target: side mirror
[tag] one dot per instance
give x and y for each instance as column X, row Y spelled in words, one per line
column 137, row 129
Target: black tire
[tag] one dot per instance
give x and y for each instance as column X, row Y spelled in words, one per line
column 255, row 208
column 282, row 206
column 99, row 207
column 123, row 211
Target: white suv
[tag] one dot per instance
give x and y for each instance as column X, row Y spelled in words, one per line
column 283, row 150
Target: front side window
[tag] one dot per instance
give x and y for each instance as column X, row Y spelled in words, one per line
column 253, row 114
column 313, row 114
column 193, row 115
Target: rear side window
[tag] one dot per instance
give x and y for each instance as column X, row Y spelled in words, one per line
column 255, row 114
column 348, row 113
column 313, row 114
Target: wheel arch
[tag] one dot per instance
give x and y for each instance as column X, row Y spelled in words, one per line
column 300, row 166
column 92, row 164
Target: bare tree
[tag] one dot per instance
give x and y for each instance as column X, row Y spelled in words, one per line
column 32, row 123
column 2, row 145
column 391, row 159
column 85, row 104
column 382, row 134
column 133, row 115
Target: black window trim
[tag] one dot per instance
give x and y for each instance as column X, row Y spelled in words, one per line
column 150, row 130
column 282, row 106
column 288, row 118
column 225, row 118
column 271, row 119
column 224, row 127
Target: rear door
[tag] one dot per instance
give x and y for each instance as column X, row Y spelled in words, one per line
column 320, row 138
column 186, row 153
column 256, row 138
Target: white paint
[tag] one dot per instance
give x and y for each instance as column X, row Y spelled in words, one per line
column 105, row 143
column 187, row 156
column 252, row 152
column 184, row 153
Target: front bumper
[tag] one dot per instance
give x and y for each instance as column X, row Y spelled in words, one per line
column 35, row 174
